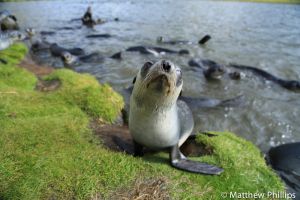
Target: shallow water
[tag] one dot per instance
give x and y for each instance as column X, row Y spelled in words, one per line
column 262, row 35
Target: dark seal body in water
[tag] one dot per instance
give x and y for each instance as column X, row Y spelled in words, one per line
column 87, row 18
column 287, row 84
column 57, row 50
column 158, row 120
column 156, row 50
column 161, row 40
column 211, row 69
column 72, row 60
column 105, row 35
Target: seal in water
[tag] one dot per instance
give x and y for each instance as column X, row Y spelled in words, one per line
column 30, row 32
column 43, row 33
column 88, row 20
column 204, row 39
column 285, row 159
column 72, row 60
column 105, row 35
column 158, row 120
column 287, row 84
column 57, row 50
column 211, row 69
column 40, row 46
column 161, row 40
column 156, row 51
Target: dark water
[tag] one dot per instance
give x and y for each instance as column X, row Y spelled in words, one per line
column 262, row 35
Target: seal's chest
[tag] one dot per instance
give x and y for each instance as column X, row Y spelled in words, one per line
column 156, row 130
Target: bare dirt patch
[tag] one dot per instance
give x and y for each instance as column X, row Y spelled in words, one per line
column 47, row 86
column 108, row 132
column 150, row 189
column 38, row 70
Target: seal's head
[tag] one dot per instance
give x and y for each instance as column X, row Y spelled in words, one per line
column 68, row 58
column 89, row 9
column 215, row 72
column 30, row 32
column 235, row 75
column 160, row 39
column 157, row 84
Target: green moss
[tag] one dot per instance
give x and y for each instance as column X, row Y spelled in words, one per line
column 12, row 76
column 47, row 150
column 84, row 91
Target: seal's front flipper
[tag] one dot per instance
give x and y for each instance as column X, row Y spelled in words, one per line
column 197, row 167
column 179, row 161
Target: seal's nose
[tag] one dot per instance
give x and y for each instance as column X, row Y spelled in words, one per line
column 166, row 66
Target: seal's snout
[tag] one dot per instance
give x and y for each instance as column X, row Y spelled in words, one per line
column 166, row 66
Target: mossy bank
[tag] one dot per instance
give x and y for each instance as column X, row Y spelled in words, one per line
column 47, row 150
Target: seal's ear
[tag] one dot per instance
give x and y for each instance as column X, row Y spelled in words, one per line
column 134, row 79
column 146, row 68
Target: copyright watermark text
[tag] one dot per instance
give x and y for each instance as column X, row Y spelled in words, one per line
column 257, row 195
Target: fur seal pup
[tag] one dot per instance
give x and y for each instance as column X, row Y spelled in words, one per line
column 156, row 50
column 40, row 46
column 204, row 39
column 44, row 33
column 158, row 120
column 57, row 50
column 287, row 84
column 161, row 40
column 87, row 18
column 211, row 69
column 72, row 60
column 105, row 35
column 31, row 32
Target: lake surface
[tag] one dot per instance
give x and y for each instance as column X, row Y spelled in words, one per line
column 266, row 36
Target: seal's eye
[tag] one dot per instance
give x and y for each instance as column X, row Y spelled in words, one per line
column 146, row 68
